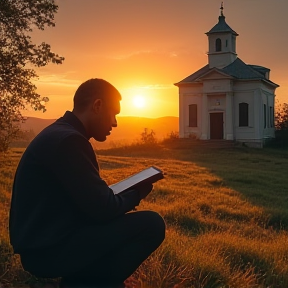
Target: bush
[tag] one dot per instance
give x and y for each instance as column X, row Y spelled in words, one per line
column 281, row 126
column 171, row 137
column 148, row 137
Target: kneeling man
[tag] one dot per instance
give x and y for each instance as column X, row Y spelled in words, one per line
column 64, row 220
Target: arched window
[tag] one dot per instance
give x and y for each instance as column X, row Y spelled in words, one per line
column 193, row 115
column 243, row 114
column 218, row 44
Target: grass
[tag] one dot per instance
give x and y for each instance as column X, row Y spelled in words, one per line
column 226, row 213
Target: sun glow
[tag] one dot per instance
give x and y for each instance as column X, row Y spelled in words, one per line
column 139, row 101
column 147, row 101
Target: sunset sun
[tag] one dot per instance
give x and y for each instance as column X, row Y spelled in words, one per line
column 139, row 101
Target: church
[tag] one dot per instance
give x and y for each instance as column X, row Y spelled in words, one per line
column 227, row 98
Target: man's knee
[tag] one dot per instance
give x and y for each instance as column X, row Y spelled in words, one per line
column 155, row 224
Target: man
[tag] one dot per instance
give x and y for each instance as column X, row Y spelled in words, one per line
column 64, row 219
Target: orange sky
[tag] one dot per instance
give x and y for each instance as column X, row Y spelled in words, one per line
column 143, row 47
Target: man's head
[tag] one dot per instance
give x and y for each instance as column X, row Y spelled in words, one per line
column 96, row 104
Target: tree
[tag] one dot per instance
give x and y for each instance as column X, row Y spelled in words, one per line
column 281, row 125
column 281, row 117
column 18, row 56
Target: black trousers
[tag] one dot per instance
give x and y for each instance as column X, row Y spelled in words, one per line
column 100, row 255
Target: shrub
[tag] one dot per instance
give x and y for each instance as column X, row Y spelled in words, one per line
column 148, row 137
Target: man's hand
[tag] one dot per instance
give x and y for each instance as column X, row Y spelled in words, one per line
column 144, row 190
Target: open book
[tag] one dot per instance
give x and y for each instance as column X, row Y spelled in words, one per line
column 149, row 175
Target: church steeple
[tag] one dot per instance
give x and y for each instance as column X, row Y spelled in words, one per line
column 222, row 43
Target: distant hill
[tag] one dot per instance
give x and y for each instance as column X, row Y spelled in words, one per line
column 132, row 127
column 36, row 124
column 129, row 128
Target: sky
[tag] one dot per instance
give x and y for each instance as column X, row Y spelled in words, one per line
column 143, row 47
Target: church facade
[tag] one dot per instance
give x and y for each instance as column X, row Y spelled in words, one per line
column 227, row 98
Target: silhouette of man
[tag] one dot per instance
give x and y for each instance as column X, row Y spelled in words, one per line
column 64, row 219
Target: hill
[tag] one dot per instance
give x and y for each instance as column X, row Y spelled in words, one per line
column 36, row 124
column 129, row 128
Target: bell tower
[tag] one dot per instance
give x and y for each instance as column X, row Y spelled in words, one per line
column 222, row 43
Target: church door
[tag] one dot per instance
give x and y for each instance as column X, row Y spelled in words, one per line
column 216, row 125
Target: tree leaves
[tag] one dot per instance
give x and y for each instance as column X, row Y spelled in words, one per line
column 17, row 52
column 281, row 117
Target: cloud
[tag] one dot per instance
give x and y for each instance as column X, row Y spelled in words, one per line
column 173, row 53
column 145, row 53
column 157, row 87
column 129, row 55
column 150, row 87
column 57, row 80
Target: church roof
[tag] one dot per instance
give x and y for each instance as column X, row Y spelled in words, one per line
column 221, row 27
column 237, row 69
column 240, row 70
column 193, row 77
column 261, row 69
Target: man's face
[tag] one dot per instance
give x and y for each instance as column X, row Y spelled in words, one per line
column 105, row 119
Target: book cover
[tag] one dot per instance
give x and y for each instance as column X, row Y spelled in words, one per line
column 148, row 175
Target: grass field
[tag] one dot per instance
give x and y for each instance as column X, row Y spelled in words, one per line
column 226, row 213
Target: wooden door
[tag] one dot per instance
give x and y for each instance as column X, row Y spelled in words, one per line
column 216, row 125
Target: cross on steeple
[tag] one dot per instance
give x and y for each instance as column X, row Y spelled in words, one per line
column 221, row 8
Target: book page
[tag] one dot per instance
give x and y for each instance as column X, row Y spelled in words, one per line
column 147, row 175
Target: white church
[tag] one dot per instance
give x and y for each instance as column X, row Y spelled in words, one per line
column 227, row 99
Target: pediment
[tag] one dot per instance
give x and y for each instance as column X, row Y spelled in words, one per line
column 214, row 74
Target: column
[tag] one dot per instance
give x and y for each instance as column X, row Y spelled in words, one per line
column 229, row 117
column 204, row 118
column 181, row 115
column 258, row 115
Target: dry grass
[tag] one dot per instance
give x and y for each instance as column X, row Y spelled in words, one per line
column 10, row 267
column 226, row 213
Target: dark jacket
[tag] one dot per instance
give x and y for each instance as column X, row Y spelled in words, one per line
column 57, row 188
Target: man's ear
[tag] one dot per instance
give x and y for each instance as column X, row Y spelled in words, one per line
column 97, row 105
